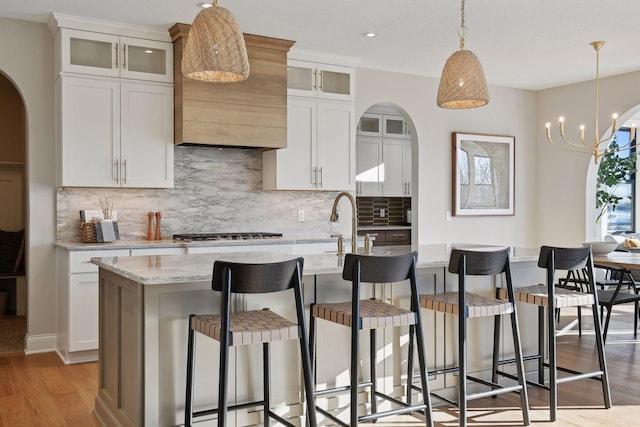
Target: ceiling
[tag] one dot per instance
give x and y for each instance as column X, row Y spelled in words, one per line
column 528, row 44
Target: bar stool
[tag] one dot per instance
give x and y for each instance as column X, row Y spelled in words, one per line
column 550, row 298
column 372, row 314
column 465, row 305
column 250, row 327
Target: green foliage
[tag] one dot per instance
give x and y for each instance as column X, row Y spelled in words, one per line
column 611, row 171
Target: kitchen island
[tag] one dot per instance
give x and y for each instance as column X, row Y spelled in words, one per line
column 145, row 302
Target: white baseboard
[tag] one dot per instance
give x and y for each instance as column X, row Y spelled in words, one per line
column 40, row 343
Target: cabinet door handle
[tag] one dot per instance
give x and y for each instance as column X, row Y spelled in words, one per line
column 408, row 188
column 314, row 176
column 314, row 77
column 115, row 46
column 124, row 172
column 124, row 57
column 397, row 235
column 321, row 178
column 320, row 78
column 116, row 170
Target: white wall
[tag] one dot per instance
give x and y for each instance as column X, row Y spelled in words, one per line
column 565, row 181
column 510, row 112
column 26, row 58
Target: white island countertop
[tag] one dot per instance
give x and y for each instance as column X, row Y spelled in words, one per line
column 164, row 269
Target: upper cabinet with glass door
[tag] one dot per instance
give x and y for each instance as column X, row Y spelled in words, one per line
column 115, row 56
column 318, row 80
column 385, row 125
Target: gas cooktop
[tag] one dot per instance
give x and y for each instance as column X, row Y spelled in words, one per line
column 195, row 237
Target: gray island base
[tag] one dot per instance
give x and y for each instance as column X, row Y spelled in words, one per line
column 145, row 302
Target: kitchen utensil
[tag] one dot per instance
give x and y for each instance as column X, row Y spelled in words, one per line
column 150, row 226
column 158, row 219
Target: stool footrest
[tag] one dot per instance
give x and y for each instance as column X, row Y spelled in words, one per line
column 340, row 389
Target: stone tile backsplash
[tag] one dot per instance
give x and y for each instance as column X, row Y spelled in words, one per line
column 215, row 190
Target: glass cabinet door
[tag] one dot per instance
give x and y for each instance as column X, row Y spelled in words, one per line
column 335, row 82
column 146, row 59
column 319, row 80
column 110, row 55
column 301, row 78
column 370, row 124
column 89, row 53
column 395, row 126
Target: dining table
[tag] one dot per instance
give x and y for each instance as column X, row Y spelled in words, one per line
column 619, row 267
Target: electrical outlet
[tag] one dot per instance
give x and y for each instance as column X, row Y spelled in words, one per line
column 383, row 212
column 300, row 215
column 447, row 216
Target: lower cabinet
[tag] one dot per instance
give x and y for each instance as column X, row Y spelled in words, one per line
column 77, row 303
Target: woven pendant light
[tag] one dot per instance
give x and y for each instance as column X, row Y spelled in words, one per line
column 215, row 50
column 462, row 84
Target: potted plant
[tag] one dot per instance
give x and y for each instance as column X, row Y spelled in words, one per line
column 613, row 170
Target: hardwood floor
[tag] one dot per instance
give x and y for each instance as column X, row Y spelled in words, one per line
column 39, row 390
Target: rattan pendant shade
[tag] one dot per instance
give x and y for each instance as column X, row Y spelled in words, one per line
column 215, row 50
column 463, row 84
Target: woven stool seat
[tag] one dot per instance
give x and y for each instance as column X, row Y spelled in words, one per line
column 248, row 327
column 374, row 314
column 539, row 295
column 477, row 305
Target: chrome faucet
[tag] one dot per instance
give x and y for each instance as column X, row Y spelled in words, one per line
column 354, row 218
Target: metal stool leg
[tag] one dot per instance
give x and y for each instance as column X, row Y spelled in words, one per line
column 601, row 357
column 354, row 373
column 266, row 381
column 462, row 368
column 541, row 345
column 188, row 402
column 496, row 351
column 410, row 365
column 422, row 360
column 553, row 367
column 524, row 398
column 374, row 363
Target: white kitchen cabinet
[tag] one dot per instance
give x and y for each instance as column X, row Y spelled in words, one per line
column 320, row 153
column 385, row 125
column 113, row 55
column 77, row 303
column 369, row 166
column 383, row 167
column 114, row 133
column 317, row 80
column 396, row 154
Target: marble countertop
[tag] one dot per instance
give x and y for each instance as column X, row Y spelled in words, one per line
column 170, row 243
column 165, row 269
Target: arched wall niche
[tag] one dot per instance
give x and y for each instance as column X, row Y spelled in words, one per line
column 395, row 109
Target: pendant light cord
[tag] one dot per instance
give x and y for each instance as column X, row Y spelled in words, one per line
column 462, row 30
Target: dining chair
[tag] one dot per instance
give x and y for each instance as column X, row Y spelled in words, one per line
column 248, row 328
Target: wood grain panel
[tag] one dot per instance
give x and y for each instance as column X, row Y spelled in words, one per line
column 252, row 113
column 227, row 134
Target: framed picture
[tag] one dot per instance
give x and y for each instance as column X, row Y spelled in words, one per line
column 483, row 174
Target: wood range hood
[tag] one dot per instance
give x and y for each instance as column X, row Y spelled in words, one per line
column 247, row 114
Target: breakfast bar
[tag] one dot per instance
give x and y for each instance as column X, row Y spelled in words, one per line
column 145, row 302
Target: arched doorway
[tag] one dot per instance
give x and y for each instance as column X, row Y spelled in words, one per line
column 386, row 148
column 13, row 304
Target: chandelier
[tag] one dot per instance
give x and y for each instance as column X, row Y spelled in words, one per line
column 598, row 147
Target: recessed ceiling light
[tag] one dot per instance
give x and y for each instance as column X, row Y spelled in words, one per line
column 205, row 5
column 369, row 35
column 148, row 51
